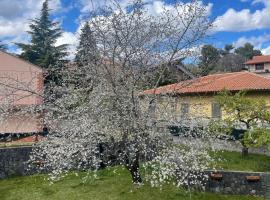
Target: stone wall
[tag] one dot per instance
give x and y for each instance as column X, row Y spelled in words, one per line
column 218, row 145
column 13, row 161
column 243, row 183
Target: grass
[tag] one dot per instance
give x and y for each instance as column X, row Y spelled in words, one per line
column 15, row 144
column 235, row 161
column 109, row 186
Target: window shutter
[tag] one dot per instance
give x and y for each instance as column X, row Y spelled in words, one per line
column 184, row 109
column 152, row 109
column 216, row 110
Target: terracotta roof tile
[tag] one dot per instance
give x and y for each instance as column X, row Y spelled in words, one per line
column 29, row 139
column 259, row 59
column 213, row 83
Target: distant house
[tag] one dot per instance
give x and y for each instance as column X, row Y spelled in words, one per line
column 259, row 64
column 21, row 86
column 194, row 99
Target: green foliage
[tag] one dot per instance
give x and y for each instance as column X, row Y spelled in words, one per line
column 112, row 184
column 258, row 137
column 228, row 48
column 214, row 60
column 44, row 33
column 252, row 113
column 229, row 160
column 87, row 49
column 209, row 57
column 216, row 127
column 230, row 62
column 248, row 51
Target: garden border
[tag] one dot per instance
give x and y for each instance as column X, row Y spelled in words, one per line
column 238, row 182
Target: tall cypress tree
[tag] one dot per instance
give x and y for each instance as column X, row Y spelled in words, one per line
column 42, row 50
column 87, row 48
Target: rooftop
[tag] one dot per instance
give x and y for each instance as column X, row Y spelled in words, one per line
column 259, row 59
column 214, row 83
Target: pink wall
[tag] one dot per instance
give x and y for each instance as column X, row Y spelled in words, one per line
column 21, row 84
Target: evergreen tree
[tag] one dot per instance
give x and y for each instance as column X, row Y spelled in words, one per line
column 87, row 48
column 228, row 48
column 248, row 51
column 208, row 59
column 44, row 33
column 86, row 58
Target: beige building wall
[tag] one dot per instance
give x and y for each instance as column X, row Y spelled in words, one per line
column 199, row 106
column 252, row 68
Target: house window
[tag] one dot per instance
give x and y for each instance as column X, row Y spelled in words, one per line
column 259, row 66
column 173, row 106
column 216, row 110
column 184, row 109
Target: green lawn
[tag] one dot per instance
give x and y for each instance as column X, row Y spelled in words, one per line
column 111, row 186
column 235, row 161
column 15, row 144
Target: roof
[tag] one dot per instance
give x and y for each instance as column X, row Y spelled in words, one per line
column 214, row 83
column 259, row 59
column 13, row 62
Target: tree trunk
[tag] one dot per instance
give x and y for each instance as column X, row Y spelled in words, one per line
column 36, row 137
column 134, row 169
column 244, row 151
column 135, row 174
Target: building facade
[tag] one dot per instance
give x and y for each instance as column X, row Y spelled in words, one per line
column 194, row 100
column 21, row 87
column 259, row 65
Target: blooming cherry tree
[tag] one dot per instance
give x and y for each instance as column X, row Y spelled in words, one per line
column 97, row 114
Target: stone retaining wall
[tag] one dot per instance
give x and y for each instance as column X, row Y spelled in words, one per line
column 233, row 182
column 217, row 144
column 13, row 161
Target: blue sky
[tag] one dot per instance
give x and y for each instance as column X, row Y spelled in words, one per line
column 236, row 21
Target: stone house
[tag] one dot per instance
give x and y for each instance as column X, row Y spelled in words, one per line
column 259, row 65
column 194, row 100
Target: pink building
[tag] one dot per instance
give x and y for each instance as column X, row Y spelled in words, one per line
column 21, row 86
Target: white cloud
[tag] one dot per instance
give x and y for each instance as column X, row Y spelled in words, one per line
column 71, row 39
column 153, row 6
column 14, row 17
column 14, row 22
column 244, row 20
column 266, row 51
column 257, row 41
column 88, row 5
column 265, row 2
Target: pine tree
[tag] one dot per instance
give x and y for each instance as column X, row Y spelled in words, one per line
column 248, row 51
column 44, row 33
column 87, row 48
